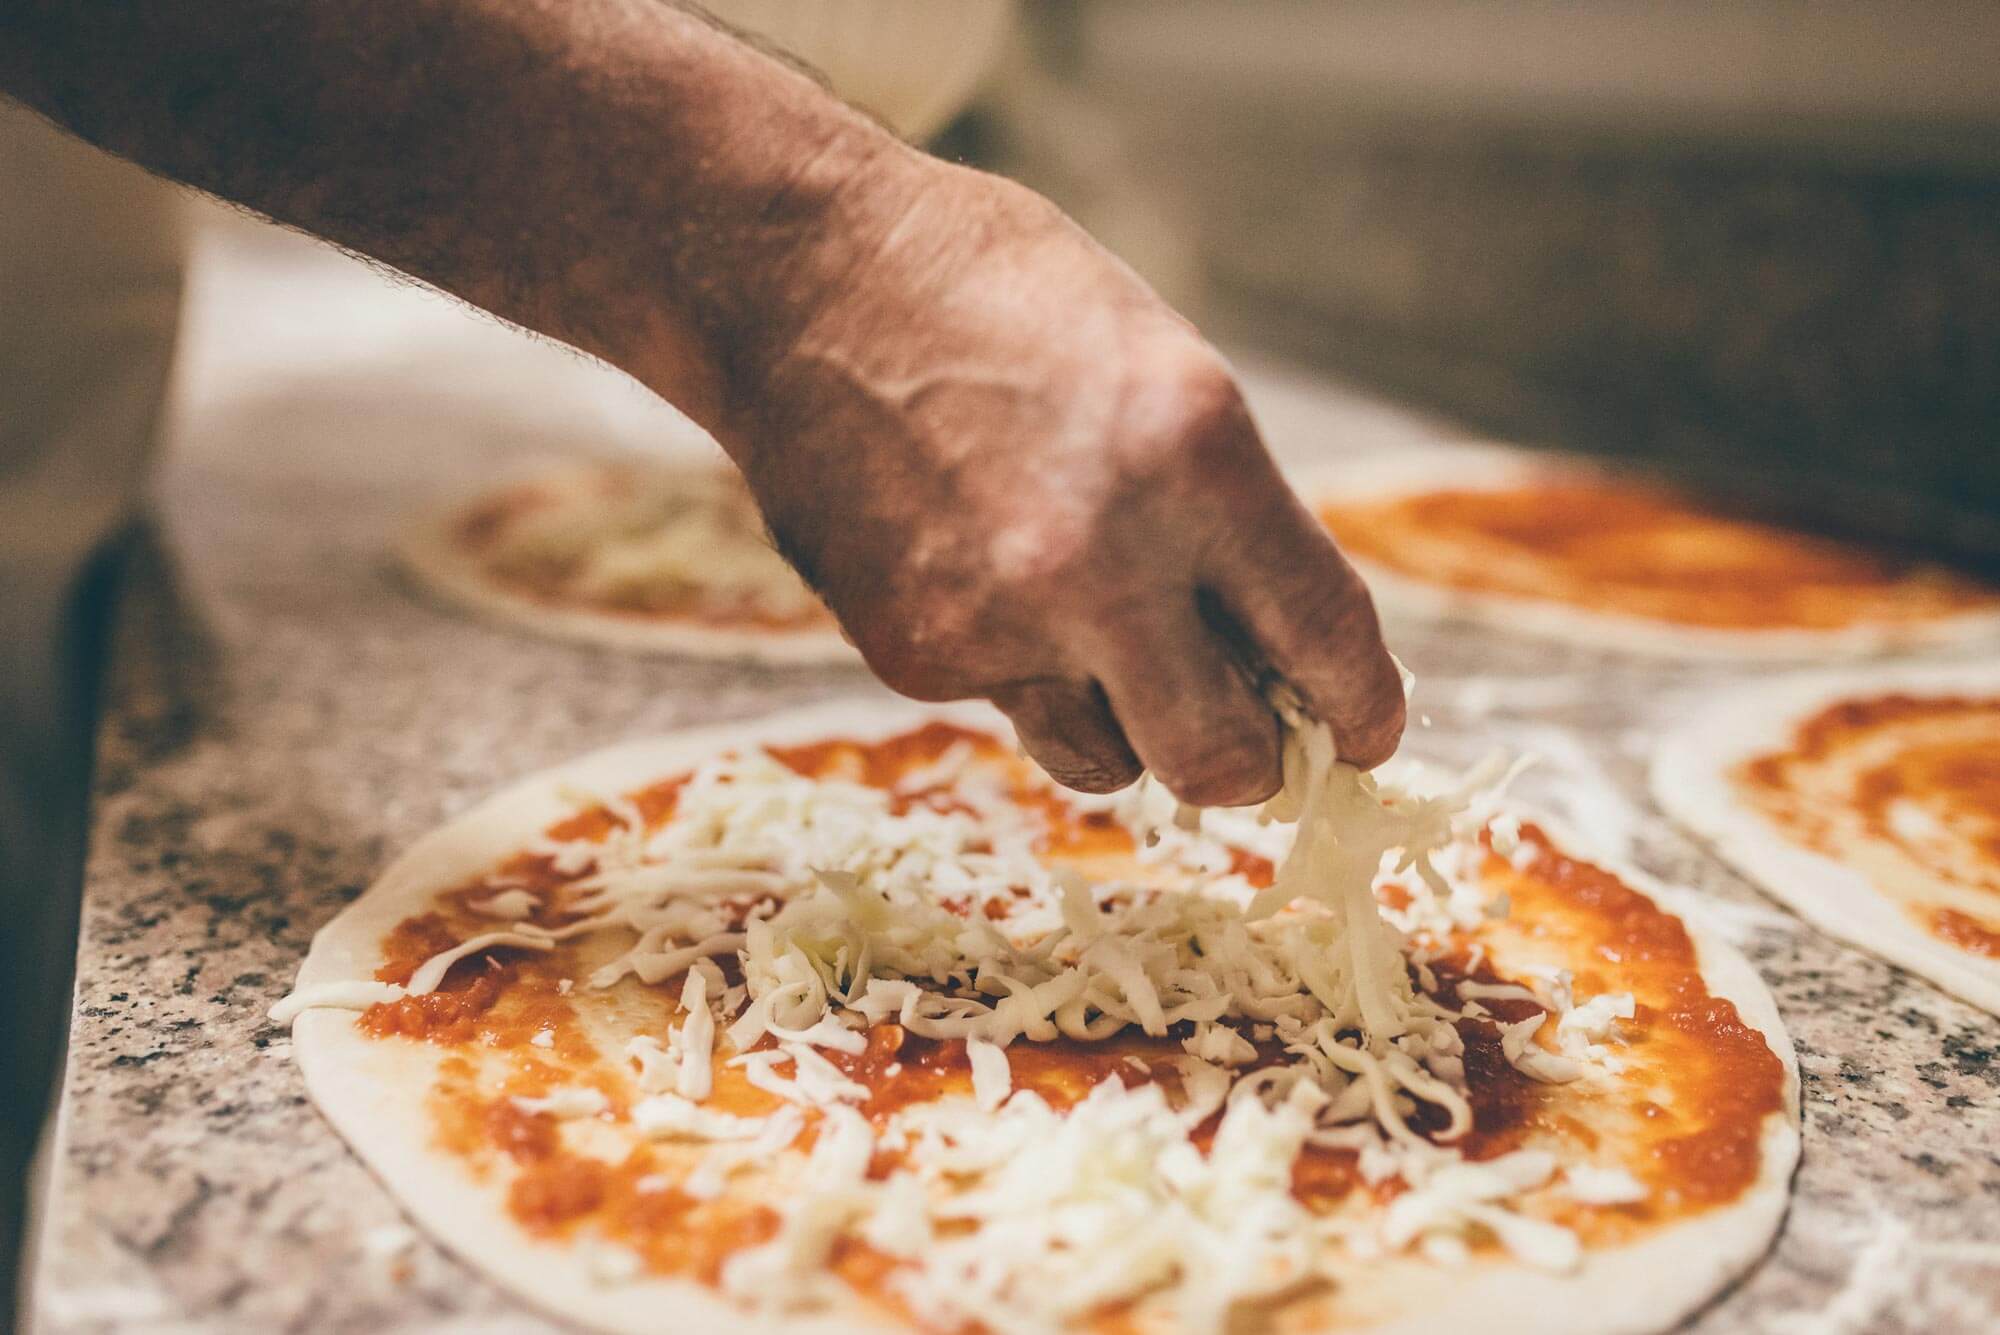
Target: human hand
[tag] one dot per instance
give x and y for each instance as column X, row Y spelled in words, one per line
column 1014, row 473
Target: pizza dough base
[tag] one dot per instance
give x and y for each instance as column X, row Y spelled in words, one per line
column 433, row 557
column 1380, row 477
column 1691, row 783
column 373, row 1091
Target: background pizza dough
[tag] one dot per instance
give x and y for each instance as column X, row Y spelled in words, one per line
column 1417, row 471
column 1692, row 781
column 610, row 513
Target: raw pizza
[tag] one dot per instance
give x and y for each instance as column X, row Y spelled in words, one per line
column 846, row 1020
column 1868, row 803
column 1568, row 551
column 647, row 556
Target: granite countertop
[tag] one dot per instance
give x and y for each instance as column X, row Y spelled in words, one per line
column 284, row 716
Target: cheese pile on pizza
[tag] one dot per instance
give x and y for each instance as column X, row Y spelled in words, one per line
column 849, row 1018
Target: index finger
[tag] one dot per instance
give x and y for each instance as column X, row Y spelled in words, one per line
column 1306, row 610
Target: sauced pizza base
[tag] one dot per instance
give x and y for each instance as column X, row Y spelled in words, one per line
column 480, row 532
column 1637, row 551
column 1685, row 1117
column 1905, row 789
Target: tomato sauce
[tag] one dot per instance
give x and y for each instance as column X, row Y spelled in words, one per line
column 1256, row 869
column 1913, row 774
column 1700, row 1147
column 1966, row 932
column 883, row 763
column 1711, row 1081
column 1636, row 550
column 524, row 1137
column 628, row 1203
column 557, row 1190
column 901, row 1069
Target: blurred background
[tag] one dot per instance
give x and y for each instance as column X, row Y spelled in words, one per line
column 1756, row 242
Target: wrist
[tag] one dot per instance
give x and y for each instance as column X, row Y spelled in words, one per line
column 885, row 280
column 727, row 292
column 822, row 243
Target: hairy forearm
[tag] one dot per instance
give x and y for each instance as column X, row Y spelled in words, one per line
column 617, row 174
column 1014, row 472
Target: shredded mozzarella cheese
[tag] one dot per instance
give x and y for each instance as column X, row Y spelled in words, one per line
column 657, row 535
column 1590, row 1185
column 566, row 1104
column 992, row 1078
column 1307, row 1019
column 358, row 996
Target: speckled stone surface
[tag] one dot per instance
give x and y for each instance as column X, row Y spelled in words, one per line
column 285, row 716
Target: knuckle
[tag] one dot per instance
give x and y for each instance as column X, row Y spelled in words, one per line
column 1190, row 416
column 1208, row 401
column 1352, row 618
column 1335, row 611
column 1032, row 563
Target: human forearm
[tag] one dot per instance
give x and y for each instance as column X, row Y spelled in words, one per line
column 1011, row 470
column 614, row 173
